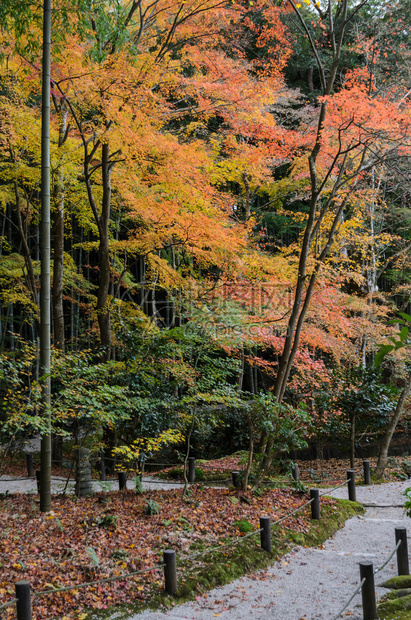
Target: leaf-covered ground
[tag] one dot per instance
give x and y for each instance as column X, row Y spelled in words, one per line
column 107, row 535
column 325, row 471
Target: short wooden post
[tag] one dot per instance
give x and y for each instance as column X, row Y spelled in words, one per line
column 29, row 462
column 367, row 472
column 191, row 469
column 402, row 551
column 38, row 475
column 170, row 571
column 369, row 605
column 122, row 480
column 23, row 597
column 265, row 528
column 295, row 472
column 102, row 467
column 351, row 485
column 315, row 504
column 236, row 479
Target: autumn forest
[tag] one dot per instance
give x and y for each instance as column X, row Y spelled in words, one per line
column 231, row 225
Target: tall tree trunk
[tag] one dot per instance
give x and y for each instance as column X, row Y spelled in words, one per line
column 352, row 439
column 31, row 280
column 103, row 312
column 317, row 211
column 310, row 82
column 58, row 237
column 389, row 432
column 45, row 478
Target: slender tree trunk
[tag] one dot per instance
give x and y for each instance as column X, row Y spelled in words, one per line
column 317, row 212
column 250, row 452
column 103, row 313
column 352, row 440
column 310, row 83
column 31, row 280
column 45, row 479
column 389, row 432
column 58, row 238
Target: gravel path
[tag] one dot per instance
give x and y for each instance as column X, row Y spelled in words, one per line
column 12, row 484
column 312, row 584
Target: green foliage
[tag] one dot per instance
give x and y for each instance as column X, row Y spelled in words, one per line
column 401, row 341
column 299, row 486
column 107, row 521
column 364, row 395
column 93, row 556
column 244, row 526
column 407, row 504
column 19, row 395
column 138, row 486
column 152, row 508
column 120, row 554
column 287, row 426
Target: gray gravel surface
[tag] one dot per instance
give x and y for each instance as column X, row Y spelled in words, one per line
column 312, row 584
column 14, row 484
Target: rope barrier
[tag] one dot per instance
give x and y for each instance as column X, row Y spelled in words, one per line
column 9, row 603
column 92, row 583
column 16, row 479
column 377, row 570
column 328, row 491
column 223, row 546
column 351, row 598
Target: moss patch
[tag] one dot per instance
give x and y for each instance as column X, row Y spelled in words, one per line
column 177, row 473
column 397, row 583
column 222, row 566
column 395, row 609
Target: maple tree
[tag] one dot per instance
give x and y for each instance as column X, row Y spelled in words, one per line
column 189, row 179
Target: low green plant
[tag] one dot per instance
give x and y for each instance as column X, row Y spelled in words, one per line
column 299, row 486
column 244, row 526
column 152, row 508
column 93, row 556
column 200, row 474
column 119, row 554
column 138, row 486
column 107, row 521
column 407, row 505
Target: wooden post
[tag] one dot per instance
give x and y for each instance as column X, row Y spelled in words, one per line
column 402, row 551
column 191, row 469
column 295, row 472
column 351, row 485
column 265, row 528
column 29, row 461
column 236, row 479
column 170, row 571
column 122, row 480
column 23, row 597
column 315, row 504
column 38, row 476
column 367, row 472
column 369, row 605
